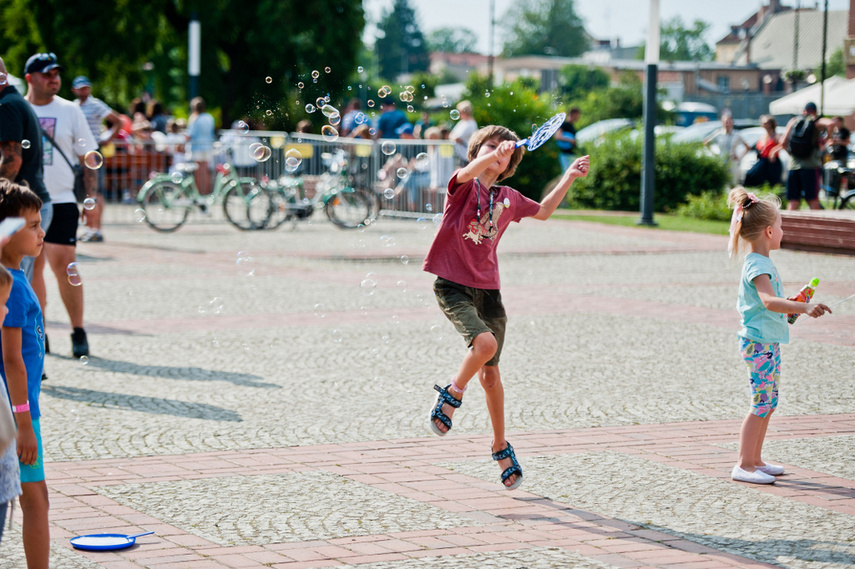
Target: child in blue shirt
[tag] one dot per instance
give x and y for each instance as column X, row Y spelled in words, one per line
column 22, row 356
column 763, row 310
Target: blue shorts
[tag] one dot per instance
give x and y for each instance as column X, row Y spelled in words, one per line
column 764, row 371
column 803, row 182
column 34, row 472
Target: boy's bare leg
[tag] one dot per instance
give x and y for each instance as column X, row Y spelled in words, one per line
column 35, row 529
column 483, row 348
column 491, row 381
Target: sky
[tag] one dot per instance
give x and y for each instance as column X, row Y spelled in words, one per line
column 624, row 19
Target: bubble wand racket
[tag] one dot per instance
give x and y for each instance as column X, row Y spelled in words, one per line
column 542, row 134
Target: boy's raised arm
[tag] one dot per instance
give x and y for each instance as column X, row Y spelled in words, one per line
column 579, row 169
column 16, row 381
column 481, row 163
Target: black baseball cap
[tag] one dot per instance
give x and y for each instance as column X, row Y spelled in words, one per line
column 42, row 63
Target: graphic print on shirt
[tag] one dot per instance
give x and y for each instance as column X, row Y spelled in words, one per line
column 48, row 125
column 481, row 228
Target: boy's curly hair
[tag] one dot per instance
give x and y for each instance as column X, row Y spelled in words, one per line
column 15, row 199
column 502, row 133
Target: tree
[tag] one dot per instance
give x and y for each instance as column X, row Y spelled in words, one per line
column 679, row 43
column 577, row 80
column 400, row 46
column 452, row 40
column 544, row 27
column 835, row 64
column 241, row 47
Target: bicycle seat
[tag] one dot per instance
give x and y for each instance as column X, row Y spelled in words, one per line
column 186, row 167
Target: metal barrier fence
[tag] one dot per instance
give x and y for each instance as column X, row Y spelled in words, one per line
column 407, row 177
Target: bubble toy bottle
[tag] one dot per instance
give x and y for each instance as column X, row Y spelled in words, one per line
column 803, row 295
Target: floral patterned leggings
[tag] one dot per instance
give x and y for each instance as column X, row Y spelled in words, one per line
column 764, row 370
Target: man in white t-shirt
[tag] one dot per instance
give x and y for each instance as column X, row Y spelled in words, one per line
column 463, row 131
column 729, row 142
column 65, row 132
column 96, row 112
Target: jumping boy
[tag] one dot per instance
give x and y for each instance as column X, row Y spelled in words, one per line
column 22, row 354
column 463, row 257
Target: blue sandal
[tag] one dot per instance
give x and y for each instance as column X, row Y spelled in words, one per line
column 443, row 397
column 508, row 452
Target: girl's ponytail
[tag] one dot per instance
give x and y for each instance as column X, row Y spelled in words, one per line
column 751, row 216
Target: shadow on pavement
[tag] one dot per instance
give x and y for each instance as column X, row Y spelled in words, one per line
column 152, row 405
column 175, row 372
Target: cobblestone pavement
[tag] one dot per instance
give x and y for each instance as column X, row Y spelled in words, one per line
column 260, row 399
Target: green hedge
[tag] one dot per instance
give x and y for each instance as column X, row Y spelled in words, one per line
column 614, row 181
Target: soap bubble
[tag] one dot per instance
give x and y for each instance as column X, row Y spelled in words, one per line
column 73, row 273
column 327, row 69
column 245, row 265
column 268, row 79
column 320, row 102
column 300, row 85
column 84, row 360
column 367, row 286
column 310, row 108
column 329, row 133
column 139, row 215
column 389, row 193
column 81, row 142
column 25, row 144
column 89, row 204
column 337, row 337
column 335, row 118
column 328, row 110
column 260, row 153
column 422, row 161
column 404, row 259
column 3, row 78
column 401, row 172
column 242, row 127
column 93, row 160
column 454, row 114
column 388, row 148
column 319, row 310
column 428, row 207
column 359, row 69
column 370, row 103
column 315, row 74
column 176, row 177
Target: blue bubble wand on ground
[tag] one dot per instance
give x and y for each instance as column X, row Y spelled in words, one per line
column 542, row 134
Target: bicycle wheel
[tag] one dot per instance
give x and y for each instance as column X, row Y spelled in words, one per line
column 166, row 206
column 348, row 208
column 848, row 202
column 247, row 205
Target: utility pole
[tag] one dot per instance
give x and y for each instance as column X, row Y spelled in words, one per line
column 490, row 54
column 194, row 54
column 648, row 158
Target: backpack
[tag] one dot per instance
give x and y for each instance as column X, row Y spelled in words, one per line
column 803, row 138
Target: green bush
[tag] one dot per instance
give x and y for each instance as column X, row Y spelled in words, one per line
column 614, row 181
column 518, row 107
column 708, row 205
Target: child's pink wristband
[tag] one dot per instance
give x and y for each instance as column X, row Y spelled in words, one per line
column 21, row 408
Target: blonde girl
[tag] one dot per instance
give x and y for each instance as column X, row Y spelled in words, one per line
column 756, row 223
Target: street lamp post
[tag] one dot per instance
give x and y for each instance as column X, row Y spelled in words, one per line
column 648, row 162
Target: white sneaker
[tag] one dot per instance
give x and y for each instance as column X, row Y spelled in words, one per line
column 773, row 469
column 755, row 477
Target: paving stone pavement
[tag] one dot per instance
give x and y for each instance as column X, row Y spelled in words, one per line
column 260, row 399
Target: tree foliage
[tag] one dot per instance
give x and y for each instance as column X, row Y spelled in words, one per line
column 544, row 27
column 242, row 44
column 577, row 80
column 452, row 39
column 680, row 43
column 401, row 47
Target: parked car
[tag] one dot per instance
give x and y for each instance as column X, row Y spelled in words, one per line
column 595, row 132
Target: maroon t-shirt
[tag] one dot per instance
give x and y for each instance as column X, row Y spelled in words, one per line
column 464, row 249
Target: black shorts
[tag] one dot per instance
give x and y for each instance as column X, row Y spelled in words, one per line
column 63, row 227
column 803, row 182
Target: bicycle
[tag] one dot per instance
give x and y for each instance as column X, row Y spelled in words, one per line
column 834, row 174
column 346, row 206
column 168, row 199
